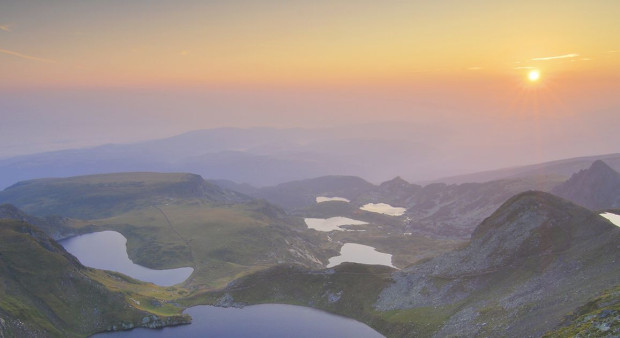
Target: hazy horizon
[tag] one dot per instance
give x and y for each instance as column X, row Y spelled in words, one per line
column 81, row 74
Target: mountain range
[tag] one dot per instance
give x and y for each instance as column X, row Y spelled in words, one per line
column 596, row 188
column 270, row 156
column 437, row 209
column 260, row 156
column 490, row 259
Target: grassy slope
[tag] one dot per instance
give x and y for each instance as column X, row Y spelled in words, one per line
column 221, row 243
column 173, row 220
column 600, row 317
column 45, row 291
column 348, row 289
column 99, row 196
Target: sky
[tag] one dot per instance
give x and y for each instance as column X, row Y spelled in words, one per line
column 81, row 73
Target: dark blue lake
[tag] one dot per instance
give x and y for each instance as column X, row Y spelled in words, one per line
column 266, row 320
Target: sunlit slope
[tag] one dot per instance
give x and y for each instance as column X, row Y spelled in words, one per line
column 174, row 220
column 44, row 291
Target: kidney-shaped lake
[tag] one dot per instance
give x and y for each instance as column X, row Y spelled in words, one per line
column 107, row 250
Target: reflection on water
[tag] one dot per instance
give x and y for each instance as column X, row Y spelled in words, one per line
column 266, row 320
column 322, row 199
column 331, row 224
column 358, row 253
column 107, row 250
column 383, row 208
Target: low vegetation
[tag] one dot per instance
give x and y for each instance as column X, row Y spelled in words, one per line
column 44, row 291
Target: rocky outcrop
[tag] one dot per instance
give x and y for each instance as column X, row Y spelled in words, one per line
column 596, row 188
column 455, row 210
column 151, row 322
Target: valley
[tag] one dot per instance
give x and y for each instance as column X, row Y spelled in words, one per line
column 325, row 169
column 239, row 250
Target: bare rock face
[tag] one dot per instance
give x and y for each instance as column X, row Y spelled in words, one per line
column 537, row 258
column 596, row 188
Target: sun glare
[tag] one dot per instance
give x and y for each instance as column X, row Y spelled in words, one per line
column 533, row 75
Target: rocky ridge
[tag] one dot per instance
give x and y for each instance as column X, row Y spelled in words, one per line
column 596, row 188
column 533, row 261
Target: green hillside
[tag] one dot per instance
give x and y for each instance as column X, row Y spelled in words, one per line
column 44, row 291
column 98, row 196
column 176, row 220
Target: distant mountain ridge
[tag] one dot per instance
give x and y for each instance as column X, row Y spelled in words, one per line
column 260, row 156
column 596, row 188
column 561, row 168
column 436, row 209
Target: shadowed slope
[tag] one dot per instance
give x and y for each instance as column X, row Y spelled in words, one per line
column 596, row 188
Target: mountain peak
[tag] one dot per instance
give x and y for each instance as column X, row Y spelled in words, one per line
column 531, row 202
column 600, row 165
column 536, row 254
column 597, row 187
column 396, row 181
column 528, row 224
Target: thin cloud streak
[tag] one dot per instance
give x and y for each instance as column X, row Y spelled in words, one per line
column 6, row 28
column 566, row 56
column 24, row 56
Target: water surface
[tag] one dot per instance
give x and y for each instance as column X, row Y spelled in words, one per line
column 358, row 253
column 266, row 320
column 613, row 218
column 322, row 199
column 331, row 224
column 107, row 250
column 383, row 208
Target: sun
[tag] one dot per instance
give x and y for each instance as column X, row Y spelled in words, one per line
column 533, row 75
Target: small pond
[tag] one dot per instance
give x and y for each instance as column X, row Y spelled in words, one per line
column 331, row 224
column 383, row 208
column 358, row 253
column 322, row 199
